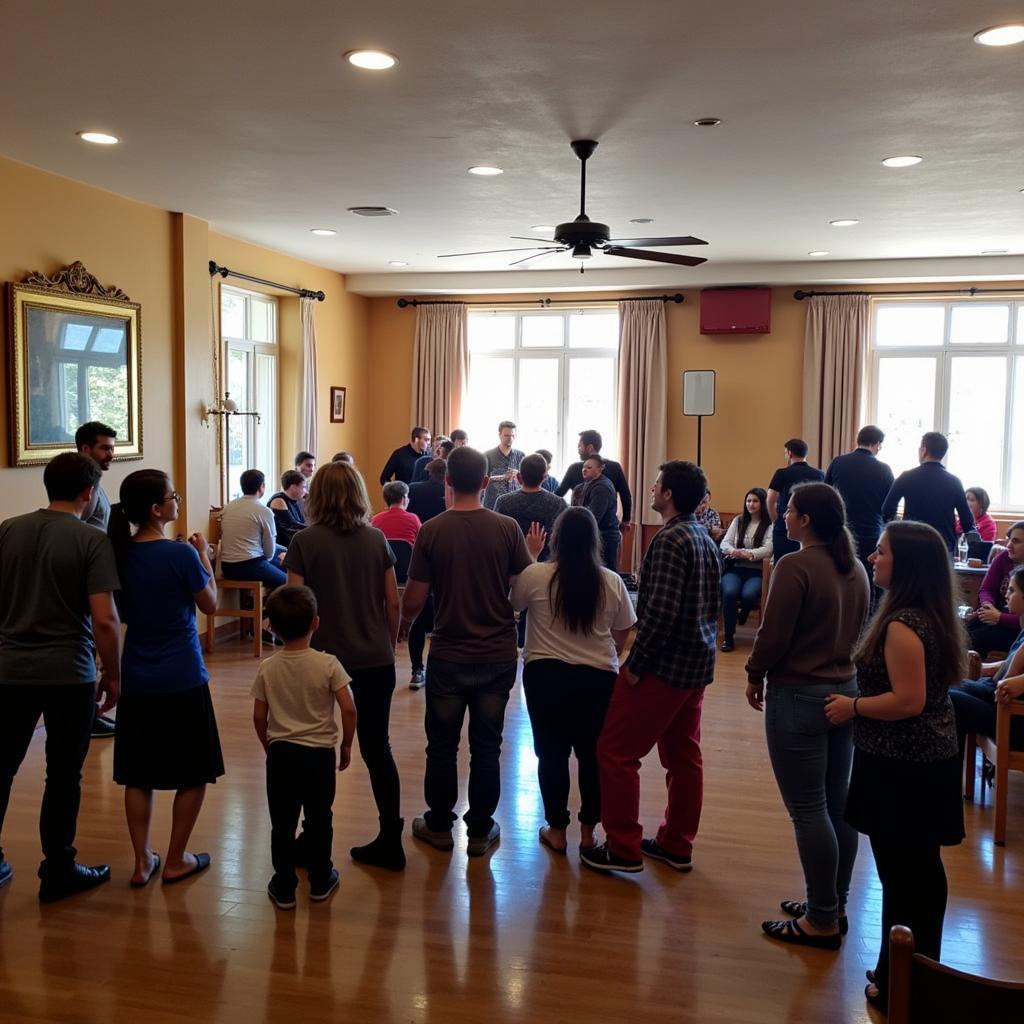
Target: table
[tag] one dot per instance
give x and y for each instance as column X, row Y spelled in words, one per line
column 969, row 579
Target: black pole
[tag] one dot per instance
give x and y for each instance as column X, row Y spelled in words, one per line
column 678, row 298
column 305, row 293
column 699, row 418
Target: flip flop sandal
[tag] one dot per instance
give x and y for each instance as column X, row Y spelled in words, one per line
column 202, row 863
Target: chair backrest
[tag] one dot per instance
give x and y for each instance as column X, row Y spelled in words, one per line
column 403, row 555
column 922, row 991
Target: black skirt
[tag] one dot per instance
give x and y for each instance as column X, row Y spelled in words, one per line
column 167, row 740
column 914, row 800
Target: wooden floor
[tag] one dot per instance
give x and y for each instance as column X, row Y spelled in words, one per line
column 518, row 936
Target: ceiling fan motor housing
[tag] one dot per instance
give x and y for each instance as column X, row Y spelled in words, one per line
column 582, row 232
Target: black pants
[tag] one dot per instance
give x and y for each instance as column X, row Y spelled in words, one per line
column 913, row 894
column 300, row 780
column 567, row 705
column 866, row 543
column 418, row 633
column 67, row 714
column 974, row 702
column 990, row 638
column 611, row 541
column 372, row 690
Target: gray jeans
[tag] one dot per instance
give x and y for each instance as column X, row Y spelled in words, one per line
column 811, row 760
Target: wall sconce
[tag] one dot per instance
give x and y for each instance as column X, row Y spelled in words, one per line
column 226, row 407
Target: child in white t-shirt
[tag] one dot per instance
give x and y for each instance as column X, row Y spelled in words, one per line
column 295, row 692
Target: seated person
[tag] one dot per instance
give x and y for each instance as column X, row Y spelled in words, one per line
column 974, row 701
column 710, row 519
column 992, row 627
column 248, row 546
column 426, row 499
column 395, row 522
column 441, row 450
column 286, row 505
column 747, row 543
column 343, row 457
column 550, row 482
column 978, row 501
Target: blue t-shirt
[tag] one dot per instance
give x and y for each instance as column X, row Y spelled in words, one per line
column 161, row 651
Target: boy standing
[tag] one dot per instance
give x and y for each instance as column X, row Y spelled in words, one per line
column 293, row 712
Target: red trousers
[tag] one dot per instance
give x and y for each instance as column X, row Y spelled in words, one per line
column 652, row 712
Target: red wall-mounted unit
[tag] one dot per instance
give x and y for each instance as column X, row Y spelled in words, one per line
column 736, row 311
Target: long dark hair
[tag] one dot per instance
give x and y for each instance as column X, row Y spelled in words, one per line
column 576, row 590
column 140, row 491
column 922, row 580
column 824, row 506
column 763, row 522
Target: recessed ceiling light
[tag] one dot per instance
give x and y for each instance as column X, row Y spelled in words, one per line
column 484, row 171
column 994, row 252
column 99, row 138
column 1000, row 35
column 843, row 223
column 650, row 220
column 323, row 231
column 549, row 228
column 371, row 60
column 707, row 122
column 818, row 252
column 397, row 263
column 901, row 161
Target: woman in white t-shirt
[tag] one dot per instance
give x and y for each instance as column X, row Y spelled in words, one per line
column 579, row 617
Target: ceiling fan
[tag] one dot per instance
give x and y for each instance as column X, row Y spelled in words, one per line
column 582, row 236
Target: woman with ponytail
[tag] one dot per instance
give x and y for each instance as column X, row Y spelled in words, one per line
column 816, row 606
column 166, row 734
column 579, row 615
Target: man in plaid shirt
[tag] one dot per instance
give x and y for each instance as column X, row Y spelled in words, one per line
column 660, row 689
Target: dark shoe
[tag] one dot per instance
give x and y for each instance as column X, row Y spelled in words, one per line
column 601, row 858
column 744, row 614
column 102, row 727
column 880, row 998
column 319, row 891
column 6, row 872
column 70, row 883
column 385, row 851
column 202, row 863
column 272, row 639
column 418, row 680
column 650, row 848
column 789, row 931
column 282, row 898
column 797, row 908
column 438, row 840
column 479, row 845
column 728, row 645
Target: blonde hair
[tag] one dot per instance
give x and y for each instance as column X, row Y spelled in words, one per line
column 338, row 498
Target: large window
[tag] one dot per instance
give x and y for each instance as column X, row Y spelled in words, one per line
column 956, row 367
column 248, row 324
column 552, row 373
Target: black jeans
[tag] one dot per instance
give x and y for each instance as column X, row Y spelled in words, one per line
column 67, row 712
column 986, row 638
column 567, row 705
column 974, row 702
column 913, row 894
column 372, row 690
column 418, row 633
column 611, row 541
column 300, row 780
column 452, row 689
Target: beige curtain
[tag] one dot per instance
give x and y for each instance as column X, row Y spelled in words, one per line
column 642, row 405
column 307, row 419
column 835, row 355
column 440, row 366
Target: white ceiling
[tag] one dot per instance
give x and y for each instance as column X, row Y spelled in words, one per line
column 245, row 115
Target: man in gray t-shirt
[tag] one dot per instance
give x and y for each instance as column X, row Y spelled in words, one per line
column 531, row 503
column 57, row 583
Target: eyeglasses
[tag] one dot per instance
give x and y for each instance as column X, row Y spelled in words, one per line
column 173, row 496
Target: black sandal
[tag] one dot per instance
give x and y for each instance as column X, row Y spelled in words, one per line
column 880, row 1000
column 790, row 931
column 798, row 908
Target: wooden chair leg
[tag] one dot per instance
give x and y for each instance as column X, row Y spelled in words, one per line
column 970, row 765
column 257, row 622
column 1002, row 773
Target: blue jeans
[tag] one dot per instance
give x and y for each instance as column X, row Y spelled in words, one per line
column 811, row 760
column 265, row 570
column 452, row 688
column 741, row 587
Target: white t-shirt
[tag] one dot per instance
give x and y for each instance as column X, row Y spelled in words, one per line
column 299, row 690
column 547, row 637
column 247, row 530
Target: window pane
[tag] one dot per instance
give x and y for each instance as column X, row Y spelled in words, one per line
column 490, row 398
column 76, row 336
column 591, row 405
column 261, row 319
column 232, row 314
column 239, row 451
column 977, row 324
column 543, row 331
column 109, row 340
column 1015, row 487
column 1020, row 324
column 906, row 407
column 266, row 430
column 906, row 325
column 594, row 330
column 977, row 410
column 107, row 388
column 538, row 405
column 492, row 332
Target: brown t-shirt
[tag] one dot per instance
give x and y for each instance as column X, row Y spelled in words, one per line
column 469, row 558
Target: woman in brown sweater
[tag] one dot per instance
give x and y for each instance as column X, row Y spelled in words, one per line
column 816, row 606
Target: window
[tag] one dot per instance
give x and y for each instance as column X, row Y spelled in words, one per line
column 955, row 366
column 552, row 373
column 248, row 323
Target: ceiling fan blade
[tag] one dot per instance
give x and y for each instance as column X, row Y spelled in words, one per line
column 523, row 238
column 654, row 257
column 488, row 252
column 681, row 240
column 538, row 255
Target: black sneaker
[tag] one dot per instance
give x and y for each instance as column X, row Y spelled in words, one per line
column 319, row 891
column 78, row 879
column 650, row 848
column 418, row 680
column 744, row 614
column 6, row 872
column 601, row 858
column 102, row 727
column 282, row 898
column 728, row 645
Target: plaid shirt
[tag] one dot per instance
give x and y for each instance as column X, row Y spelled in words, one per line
column 677, row 606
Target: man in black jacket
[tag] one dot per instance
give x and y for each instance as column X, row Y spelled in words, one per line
column 402, row 462
column 590, row 444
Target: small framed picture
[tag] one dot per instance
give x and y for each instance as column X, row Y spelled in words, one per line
column 337, row 405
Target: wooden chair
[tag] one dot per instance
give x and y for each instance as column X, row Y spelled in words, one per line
column 922, row 991
column 403, row 556
column 1003, row 759
column 252, row 615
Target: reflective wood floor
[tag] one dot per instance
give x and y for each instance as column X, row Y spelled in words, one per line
column 520, row 935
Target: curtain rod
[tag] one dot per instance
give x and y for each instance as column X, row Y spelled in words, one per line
column 800, row 296
column 306, row 293
column 543, row 303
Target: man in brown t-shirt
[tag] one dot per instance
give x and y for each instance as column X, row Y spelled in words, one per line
column 466, row 557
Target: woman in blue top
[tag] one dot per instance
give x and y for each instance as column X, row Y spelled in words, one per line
column 166, row 734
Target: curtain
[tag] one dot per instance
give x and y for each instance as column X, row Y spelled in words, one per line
column 308, row 430
column 835, row 354
column 440, row 368
column 642, row 406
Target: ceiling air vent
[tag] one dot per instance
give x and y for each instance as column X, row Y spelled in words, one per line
column 373, row 211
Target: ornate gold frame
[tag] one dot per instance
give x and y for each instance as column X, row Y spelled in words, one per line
column 71, row 290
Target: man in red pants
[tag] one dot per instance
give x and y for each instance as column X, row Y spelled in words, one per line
column 660, row 689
